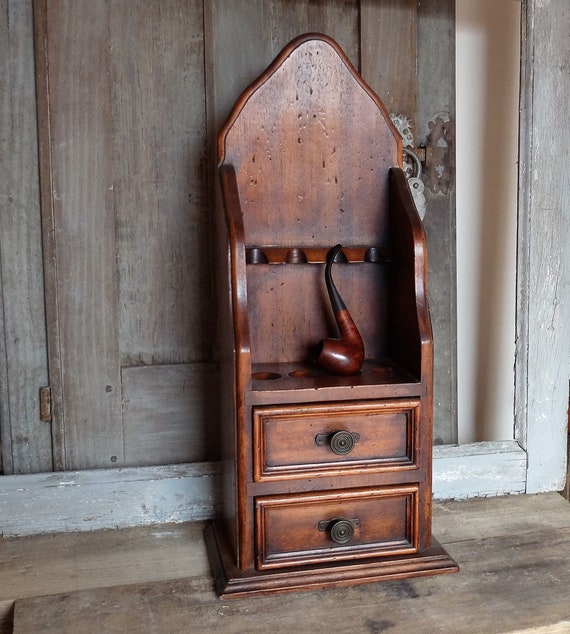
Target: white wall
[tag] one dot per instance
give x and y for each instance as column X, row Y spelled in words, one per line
column 488, row 61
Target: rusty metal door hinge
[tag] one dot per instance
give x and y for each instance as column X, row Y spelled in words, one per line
column 45, row 404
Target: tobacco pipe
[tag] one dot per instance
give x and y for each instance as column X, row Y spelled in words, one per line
column 345, row 355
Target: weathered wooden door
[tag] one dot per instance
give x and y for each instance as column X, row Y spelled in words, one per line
column 130, row 96
column 130, row 315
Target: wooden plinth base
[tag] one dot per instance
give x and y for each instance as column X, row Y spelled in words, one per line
column 231, row 582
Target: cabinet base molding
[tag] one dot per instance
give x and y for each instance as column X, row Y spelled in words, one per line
column 231, row 582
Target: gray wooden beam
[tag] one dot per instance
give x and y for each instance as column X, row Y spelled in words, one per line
column 542, row 367
column 482, row 469
column 117, row 498
column 108, row 498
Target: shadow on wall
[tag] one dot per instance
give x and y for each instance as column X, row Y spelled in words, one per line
column 488, row 63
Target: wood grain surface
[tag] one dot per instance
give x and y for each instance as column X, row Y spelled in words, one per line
column 513, row 551
column 25, row 440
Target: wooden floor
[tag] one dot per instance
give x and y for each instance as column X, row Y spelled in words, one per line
column 514, row 554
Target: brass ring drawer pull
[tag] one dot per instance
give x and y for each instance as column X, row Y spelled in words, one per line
column 340, row 530
column 340, row 442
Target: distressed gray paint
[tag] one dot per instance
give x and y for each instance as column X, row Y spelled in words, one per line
column 543, row 288
column 26, row 441
column 479, row 470
column 108, row 498
column 117, row 498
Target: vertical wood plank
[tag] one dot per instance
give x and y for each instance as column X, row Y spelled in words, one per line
column 388, row 35
column 6, row 465
column 543, row 287
column 80, row 234
column 436, row 130
column 244, row 36
column 135, row 285
column 235, row 42
column 26, row 441
column 523, row 225
column 408, row 58
column 159, row 140
column 336, row 18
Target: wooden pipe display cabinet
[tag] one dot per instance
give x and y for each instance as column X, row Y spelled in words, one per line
column 327, row 478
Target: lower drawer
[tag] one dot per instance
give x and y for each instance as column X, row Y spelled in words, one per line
column 337, row 525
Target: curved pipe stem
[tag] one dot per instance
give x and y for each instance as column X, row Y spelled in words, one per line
column 345, row 355
column 334, row 296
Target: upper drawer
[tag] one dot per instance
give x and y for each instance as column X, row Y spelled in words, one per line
column 300, row 440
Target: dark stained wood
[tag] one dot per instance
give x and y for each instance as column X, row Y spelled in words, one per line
column 299, row 529
column 325, row 157
column 315, row 255
column 285, row 438
column 232, row 582
column 411, row 341
column 277, row 383
column 269, row 288
column 309, row 158
column 409, row 324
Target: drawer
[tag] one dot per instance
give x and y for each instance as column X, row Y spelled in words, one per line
column 324, row 439
column 334, row 526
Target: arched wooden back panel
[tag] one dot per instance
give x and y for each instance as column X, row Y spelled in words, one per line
column 311, row 145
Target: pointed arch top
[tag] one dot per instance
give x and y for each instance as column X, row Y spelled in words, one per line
column 311, row 135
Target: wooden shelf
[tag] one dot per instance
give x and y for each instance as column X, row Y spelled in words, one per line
column 295, row 376
column 278, row 382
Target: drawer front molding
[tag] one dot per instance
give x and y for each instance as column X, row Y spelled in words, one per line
column 296, row 441
column 337, row 525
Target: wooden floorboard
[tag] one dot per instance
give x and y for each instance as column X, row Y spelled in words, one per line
column 514, row 554
column 64, row 562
